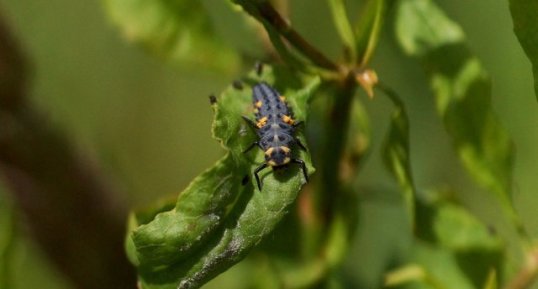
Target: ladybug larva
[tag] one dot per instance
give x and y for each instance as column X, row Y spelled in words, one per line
column 275, row 128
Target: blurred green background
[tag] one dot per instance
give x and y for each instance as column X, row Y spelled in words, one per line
column 148, row 122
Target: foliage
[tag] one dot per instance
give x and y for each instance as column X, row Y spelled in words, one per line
column 294, row 234
column 217, row 221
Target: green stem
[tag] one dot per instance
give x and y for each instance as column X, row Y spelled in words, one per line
column 272, row 17
column 283, row 51
column 336, row 136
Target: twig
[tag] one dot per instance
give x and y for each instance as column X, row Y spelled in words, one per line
column 269, row 14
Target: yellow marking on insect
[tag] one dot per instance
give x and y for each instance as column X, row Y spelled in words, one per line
column 285, row 149
column 262, row 122
column 287, row 119
column 286, row 161
column 282, row 98
column 269, row 151
column 256, row 110
column 258, row 104
column 271, row 163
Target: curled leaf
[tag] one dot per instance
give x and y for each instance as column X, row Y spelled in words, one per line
column 218, row 219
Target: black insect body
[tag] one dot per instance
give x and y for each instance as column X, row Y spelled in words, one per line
column 275, row 128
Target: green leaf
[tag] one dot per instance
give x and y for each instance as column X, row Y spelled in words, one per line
column 442, row 268
column 459, row 231
column 491, row 282
column 453, row 249
column 173, row 29
column 524, row 14
column 462, row 91
column 396, row 153
column 369, row 29
column 217, row 220
column 341, row 21
column 476, row 250
column 421, row 26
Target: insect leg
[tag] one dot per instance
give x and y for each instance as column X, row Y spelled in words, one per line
column 300, row 144
column 256, row 171
column 298, row 123
column 250, row 122
column 258, row 66
column 303, row 167
column 251, row 146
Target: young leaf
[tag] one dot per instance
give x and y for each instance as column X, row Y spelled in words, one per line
column 463, row 96
column 524, row 14
column 218, row 219
column 369, row 28
column 343, row 26
column 178, row 30
column 396, row 153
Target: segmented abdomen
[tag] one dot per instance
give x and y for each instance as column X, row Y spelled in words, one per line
column 273, row 117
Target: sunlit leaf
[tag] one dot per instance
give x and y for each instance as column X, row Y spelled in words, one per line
column 219, row 218
column 173, row 29
column 417, row 35
column 524, row 15
column 462, row 91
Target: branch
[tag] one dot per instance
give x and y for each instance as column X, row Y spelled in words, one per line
column 272, row 17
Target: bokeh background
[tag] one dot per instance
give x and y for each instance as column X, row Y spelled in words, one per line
column 148, row 122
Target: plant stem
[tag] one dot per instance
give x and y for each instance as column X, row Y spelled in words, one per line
column 269, row 14
column 336, row 137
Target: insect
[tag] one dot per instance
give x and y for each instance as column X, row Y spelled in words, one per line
column 275, row 128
